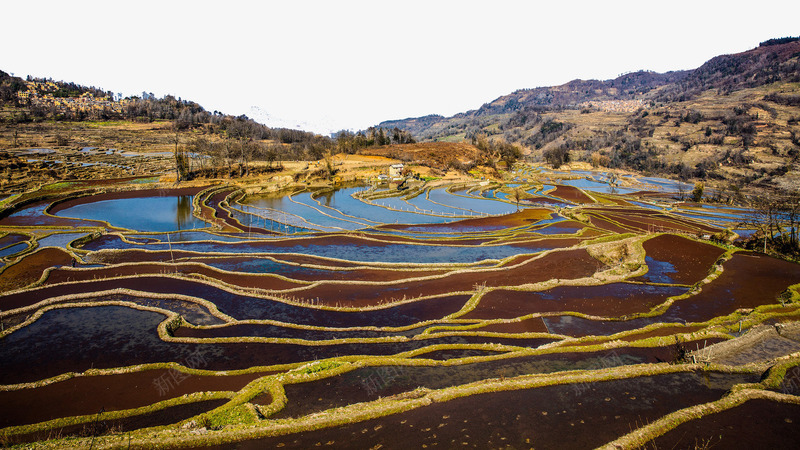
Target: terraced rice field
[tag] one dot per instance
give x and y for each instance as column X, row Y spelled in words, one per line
column 587, row 315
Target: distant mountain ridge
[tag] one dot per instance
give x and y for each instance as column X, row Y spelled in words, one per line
column 733, row 121
column 577, row 92
column 775, row 60
column 413, row 125
column 772, row 61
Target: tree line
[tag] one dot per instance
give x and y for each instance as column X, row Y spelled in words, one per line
column 350, row 142
column 239, row 142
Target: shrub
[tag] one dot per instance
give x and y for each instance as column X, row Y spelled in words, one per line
column 697, row 192
column 557, row 156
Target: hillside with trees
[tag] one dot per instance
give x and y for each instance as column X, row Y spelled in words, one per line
column 732, row 122
column 43, row 113
column 36, row 99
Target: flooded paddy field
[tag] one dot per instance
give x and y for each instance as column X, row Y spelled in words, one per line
column 363, row 316
column 546, row 417
column 753, row 424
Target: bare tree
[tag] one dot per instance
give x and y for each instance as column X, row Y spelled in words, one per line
column 226, row 152
column 270, row 155
column 765, row 218
column 200, row 149
column 181, row 158
column 248, row 149
column 788, row 216
column 517, row 196
column 681, row 191
column 217, row 151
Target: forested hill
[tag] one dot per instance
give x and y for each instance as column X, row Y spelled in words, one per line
column 41, row 112
column 36, row 99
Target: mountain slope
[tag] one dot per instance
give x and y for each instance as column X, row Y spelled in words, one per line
column 577, row 92
column 770, row 62
column 734, row 120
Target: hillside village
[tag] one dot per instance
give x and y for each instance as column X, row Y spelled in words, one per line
column 627, row 106
column 44, row 94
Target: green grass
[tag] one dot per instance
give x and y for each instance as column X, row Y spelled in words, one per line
column 238, row 415
column 321, row 367
column 9, row 200
column 452, row 138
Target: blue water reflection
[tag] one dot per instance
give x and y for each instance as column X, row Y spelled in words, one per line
column 169, row 213
column 389, row 253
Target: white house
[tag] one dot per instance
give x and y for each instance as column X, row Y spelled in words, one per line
column 396, row 171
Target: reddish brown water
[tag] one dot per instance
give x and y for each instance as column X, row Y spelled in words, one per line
column 691, row 261
column 610, row 300
column 549, row 417
column 755, row 424
column 580, row 415
column 88, row 395
column 371, row 383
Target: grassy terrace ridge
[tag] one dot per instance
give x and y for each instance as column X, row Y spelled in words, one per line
column 235, row 330
column 388, row 406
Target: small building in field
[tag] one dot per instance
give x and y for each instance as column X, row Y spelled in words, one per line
column 396, row 171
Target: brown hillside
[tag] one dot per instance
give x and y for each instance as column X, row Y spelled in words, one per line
column 432, row 154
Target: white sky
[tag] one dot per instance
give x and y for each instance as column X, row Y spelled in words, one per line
column 352, row 64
